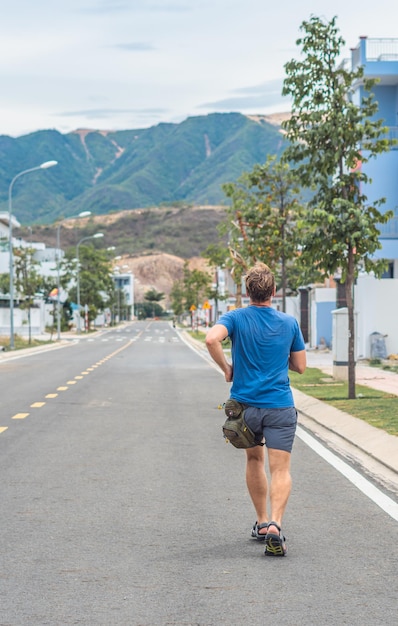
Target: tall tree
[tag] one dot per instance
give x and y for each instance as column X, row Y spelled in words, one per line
column 154, row 297
column 264, row 218
column 28, row 279
column 189, row 291
column 330, row 137
column 97, row 288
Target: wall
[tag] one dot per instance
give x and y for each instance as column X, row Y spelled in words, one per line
column 386, row 97
column 21, row 326
column 383, row 174
column 376, row 303
column 322, row 303
column 292, row 305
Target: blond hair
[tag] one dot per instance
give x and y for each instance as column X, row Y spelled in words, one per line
column 260, row 282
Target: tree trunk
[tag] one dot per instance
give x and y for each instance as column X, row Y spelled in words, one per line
column 349, row 286
column 283, row 265
column 238, row 296
column 284, row 283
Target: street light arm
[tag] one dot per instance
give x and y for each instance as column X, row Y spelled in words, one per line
column 45, row 165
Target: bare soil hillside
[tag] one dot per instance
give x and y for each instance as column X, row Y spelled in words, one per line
column 156, row 271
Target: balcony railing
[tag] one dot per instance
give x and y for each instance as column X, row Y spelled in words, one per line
column 374, row 50
column 390, row 230
column 382, row 49
column 392, row 136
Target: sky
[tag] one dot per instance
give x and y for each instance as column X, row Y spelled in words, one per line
column 128, row 64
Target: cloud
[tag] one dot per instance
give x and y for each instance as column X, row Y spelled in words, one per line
column 134, row 46
column 257, row 96
column 105, row 6
column 112, row 6
column 106, row 113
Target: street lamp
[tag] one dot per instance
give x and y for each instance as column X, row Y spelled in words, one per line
column 96, row 236
column 82, row 214
column 43, row 166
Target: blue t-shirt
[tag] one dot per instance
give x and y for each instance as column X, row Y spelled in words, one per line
column 262, row 340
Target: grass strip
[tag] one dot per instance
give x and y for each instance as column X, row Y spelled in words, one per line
column 375, row 407
column 20, row 342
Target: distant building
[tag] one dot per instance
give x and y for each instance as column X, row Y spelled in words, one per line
column 124, row 283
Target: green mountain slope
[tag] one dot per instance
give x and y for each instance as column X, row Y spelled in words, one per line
column 104, row 171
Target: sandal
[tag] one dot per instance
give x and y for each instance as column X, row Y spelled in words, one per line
column 275, row 544
column 256, row 534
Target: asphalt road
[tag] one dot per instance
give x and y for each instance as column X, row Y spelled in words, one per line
column 122, row 505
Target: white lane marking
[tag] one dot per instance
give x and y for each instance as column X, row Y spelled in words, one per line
column 378, row 497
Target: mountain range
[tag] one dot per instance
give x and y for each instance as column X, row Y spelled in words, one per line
column 106, row 171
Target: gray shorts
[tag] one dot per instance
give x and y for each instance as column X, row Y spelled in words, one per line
column 278, row 426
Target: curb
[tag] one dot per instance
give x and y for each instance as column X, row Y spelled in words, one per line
column 372, row 441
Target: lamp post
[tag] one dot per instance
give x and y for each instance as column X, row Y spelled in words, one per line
column 96, row 236
column 43, row 166
column 82, row 214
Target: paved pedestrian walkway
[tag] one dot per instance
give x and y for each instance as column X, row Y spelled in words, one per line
column 373, row 377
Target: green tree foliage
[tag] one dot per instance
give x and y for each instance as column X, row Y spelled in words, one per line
column 330, row 136
column 97, row 288
column 152, row 309
column 190, row 291
column 152, row 298
column 177, row 300
column 4, row 283
column 265, row 222
column 27, row 279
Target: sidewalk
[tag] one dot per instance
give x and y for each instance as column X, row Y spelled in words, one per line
column 373, row 377
column 66, row 339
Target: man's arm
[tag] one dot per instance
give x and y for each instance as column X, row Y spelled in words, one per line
column 214, row 339
column 298, row 361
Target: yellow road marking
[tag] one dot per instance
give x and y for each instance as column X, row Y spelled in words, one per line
column 3, row 428
column 90, row 369
column 20, row 416
column 37, row 405
column 78, row 377
column 51, row 395
column 62, row 388
column 85, row 373
column 71, row 382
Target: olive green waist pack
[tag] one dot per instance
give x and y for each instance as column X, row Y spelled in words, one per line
column 235, row 429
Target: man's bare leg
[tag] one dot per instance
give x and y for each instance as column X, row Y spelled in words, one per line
column 257, row 484
column 280, row 484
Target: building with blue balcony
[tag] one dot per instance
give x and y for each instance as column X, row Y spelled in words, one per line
column 379, row 59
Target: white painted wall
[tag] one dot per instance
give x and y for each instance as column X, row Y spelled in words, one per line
column 21, row 325
column 376, row 304
column 292, row 305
